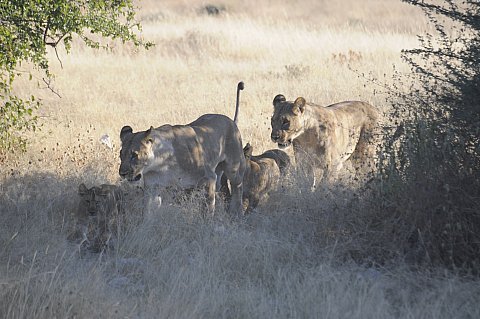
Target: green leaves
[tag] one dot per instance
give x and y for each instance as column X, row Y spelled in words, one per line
column 16, row 116
column 27, row 27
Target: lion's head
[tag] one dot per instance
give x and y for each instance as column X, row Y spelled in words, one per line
column 97, row 203
column 136, row 152
column 287, row 120
column 98, row 209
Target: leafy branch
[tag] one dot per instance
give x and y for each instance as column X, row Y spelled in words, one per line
column 28, row 27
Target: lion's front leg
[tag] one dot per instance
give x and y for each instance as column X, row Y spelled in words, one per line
column 236, row 203
column 152, row 200
column 209, row 182
column 325, row 167
column 211, row 187
column 312, row 168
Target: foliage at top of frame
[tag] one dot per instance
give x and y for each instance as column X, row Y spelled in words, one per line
column 28, row 27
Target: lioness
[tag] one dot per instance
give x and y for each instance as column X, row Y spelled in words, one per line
column 187, row 156
column 323, row 137
column 262, row 175
column 98, row 211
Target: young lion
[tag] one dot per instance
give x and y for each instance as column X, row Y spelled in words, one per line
column 98, row 211
column 324, row 138
column 262, row 175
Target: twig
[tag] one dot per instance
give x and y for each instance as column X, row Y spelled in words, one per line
column 384, row 86
column 50, row 88
column 58, row 58
column 54, row 45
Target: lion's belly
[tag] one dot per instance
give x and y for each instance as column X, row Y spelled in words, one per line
column 346, row 142
column 171, row 177
column 327, row 150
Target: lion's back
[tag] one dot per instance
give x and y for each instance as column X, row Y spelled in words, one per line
column 219, row 131
column 355, row 111
column 212, row 120
column 281, row 159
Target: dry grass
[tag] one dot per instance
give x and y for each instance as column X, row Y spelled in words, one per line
column 296, row 257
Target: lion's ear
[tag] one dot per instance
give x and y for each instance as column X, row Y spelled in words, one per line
column 82, row 189
column 103, row 192
column 125, row 131
column 299, row 105
column 248, row 150
column 278, row 99
column 148, row 136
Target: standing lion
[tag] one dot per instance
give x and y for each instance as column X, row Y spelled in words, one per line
column 324, row 138
column 194, row 155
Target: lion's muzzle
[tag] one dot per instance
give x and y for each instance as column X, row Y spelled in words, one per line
column 275, row 136
column 284, row 145
column 279, row 138
column 129, row 176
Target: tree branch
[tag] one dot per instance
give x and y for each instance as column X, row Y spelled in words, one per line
column 48, row 86
column 45, row 32
column 54, row 45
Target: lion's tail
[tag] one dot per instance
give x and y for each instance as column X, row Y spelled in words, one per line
column 240, row 86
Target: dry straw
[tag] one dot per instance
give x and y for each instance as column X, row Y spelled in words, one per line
column 300, row 255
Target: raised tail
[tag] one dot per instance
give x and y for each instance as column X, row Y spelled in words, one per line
column 240, row 86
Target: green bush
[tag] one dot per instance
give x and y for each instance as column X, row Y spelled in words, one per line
column 28, row 27
column 16, row 115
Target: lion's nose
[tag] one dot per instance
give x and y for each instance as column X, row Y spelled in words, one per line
column 275, row 136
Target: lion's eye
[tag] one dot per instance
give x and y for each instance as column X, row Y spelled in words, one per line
column 134, row 155
column 285, row 124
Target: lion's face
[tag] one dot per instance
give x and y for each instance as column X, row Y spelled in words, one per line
column 96, row 202
column 287, row 120
column 136, row 153
column 97, row 211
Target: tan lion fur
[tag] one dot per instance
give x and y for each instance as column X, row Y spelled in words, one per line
column 262, row 175
column 186, row 156
column 324, row 138
column 98, row 211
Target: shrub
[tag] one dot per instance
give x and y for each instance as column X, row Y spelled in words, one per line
column 430, row 178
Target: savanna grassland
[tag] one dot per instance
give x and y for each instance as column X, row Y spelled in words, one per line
column 300, row 255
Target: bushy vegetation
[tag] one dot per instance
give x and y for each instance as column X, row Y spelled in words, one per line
column 430, row 179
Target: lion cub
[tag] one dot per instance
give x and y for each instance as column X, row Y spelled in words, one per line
column 262, row 175
column 97, row 215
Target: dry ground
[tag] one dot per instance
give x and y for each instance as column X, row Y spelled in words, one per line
column 290, row 259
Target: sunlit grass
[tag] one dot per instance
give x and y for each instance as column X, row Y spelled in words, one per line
column 295, row 257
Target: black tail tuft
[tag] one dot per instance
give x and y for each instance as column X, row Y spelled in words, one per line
column 240, row 87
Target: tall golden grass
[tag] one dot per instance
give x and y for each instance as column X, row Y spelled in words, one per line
column 295, row 257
